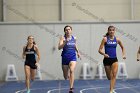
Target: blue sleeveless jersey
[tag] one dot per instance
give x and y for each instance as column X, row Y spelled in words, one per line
column 110, row 47
column 69, row 50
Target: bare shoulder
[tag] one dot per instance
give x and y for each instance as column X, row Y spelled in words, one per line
column 24, row 47
column 62, row 38
column 118, row 39
column 35, row 46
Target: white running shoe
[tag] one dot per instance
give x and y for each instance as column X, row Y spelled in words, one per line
column 114, row 91
column 28, row 91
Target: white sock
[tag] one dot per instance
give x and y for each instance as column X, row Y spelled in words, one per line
column 114, row 91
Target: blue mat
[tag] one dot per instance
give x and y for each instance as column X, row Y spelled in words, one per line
column 80, row 86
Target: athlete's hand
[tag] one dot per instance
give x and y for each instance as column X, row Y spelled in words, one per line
column 124, row 57
column 38, row 65
column 106, row 55
column 24, row 57
column 79, row 55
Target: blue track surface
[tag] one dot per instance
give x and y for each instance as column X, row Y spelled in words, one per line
column 62, row 86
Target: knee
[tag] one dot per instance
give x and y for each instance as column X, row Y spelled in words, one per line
column 27, row 77
column 71, row 71
column 114, row 74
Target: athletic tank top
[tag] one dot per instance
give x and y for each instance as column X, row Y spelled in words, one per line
column 110, row 47
column 69, row 48
column 30, row 54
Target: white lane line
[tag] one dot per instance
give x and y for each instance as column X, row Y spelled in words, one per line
column 56, row 90
column 23, row 90
column 91, row 85
column 82, row 91
column 130, row 88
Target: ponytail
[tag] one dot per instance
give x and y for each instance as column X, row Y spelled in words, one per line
column 107, row 34
column 34, row 43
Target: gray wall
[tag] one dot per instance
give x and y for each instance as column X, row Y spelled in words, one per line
column 1, row 10
column 73, row 10
column 13, row 36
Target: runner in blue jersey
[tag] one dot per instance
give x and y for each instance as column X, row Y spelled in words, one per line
column 32, row 56
column 110, row 61
column 68, row 44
